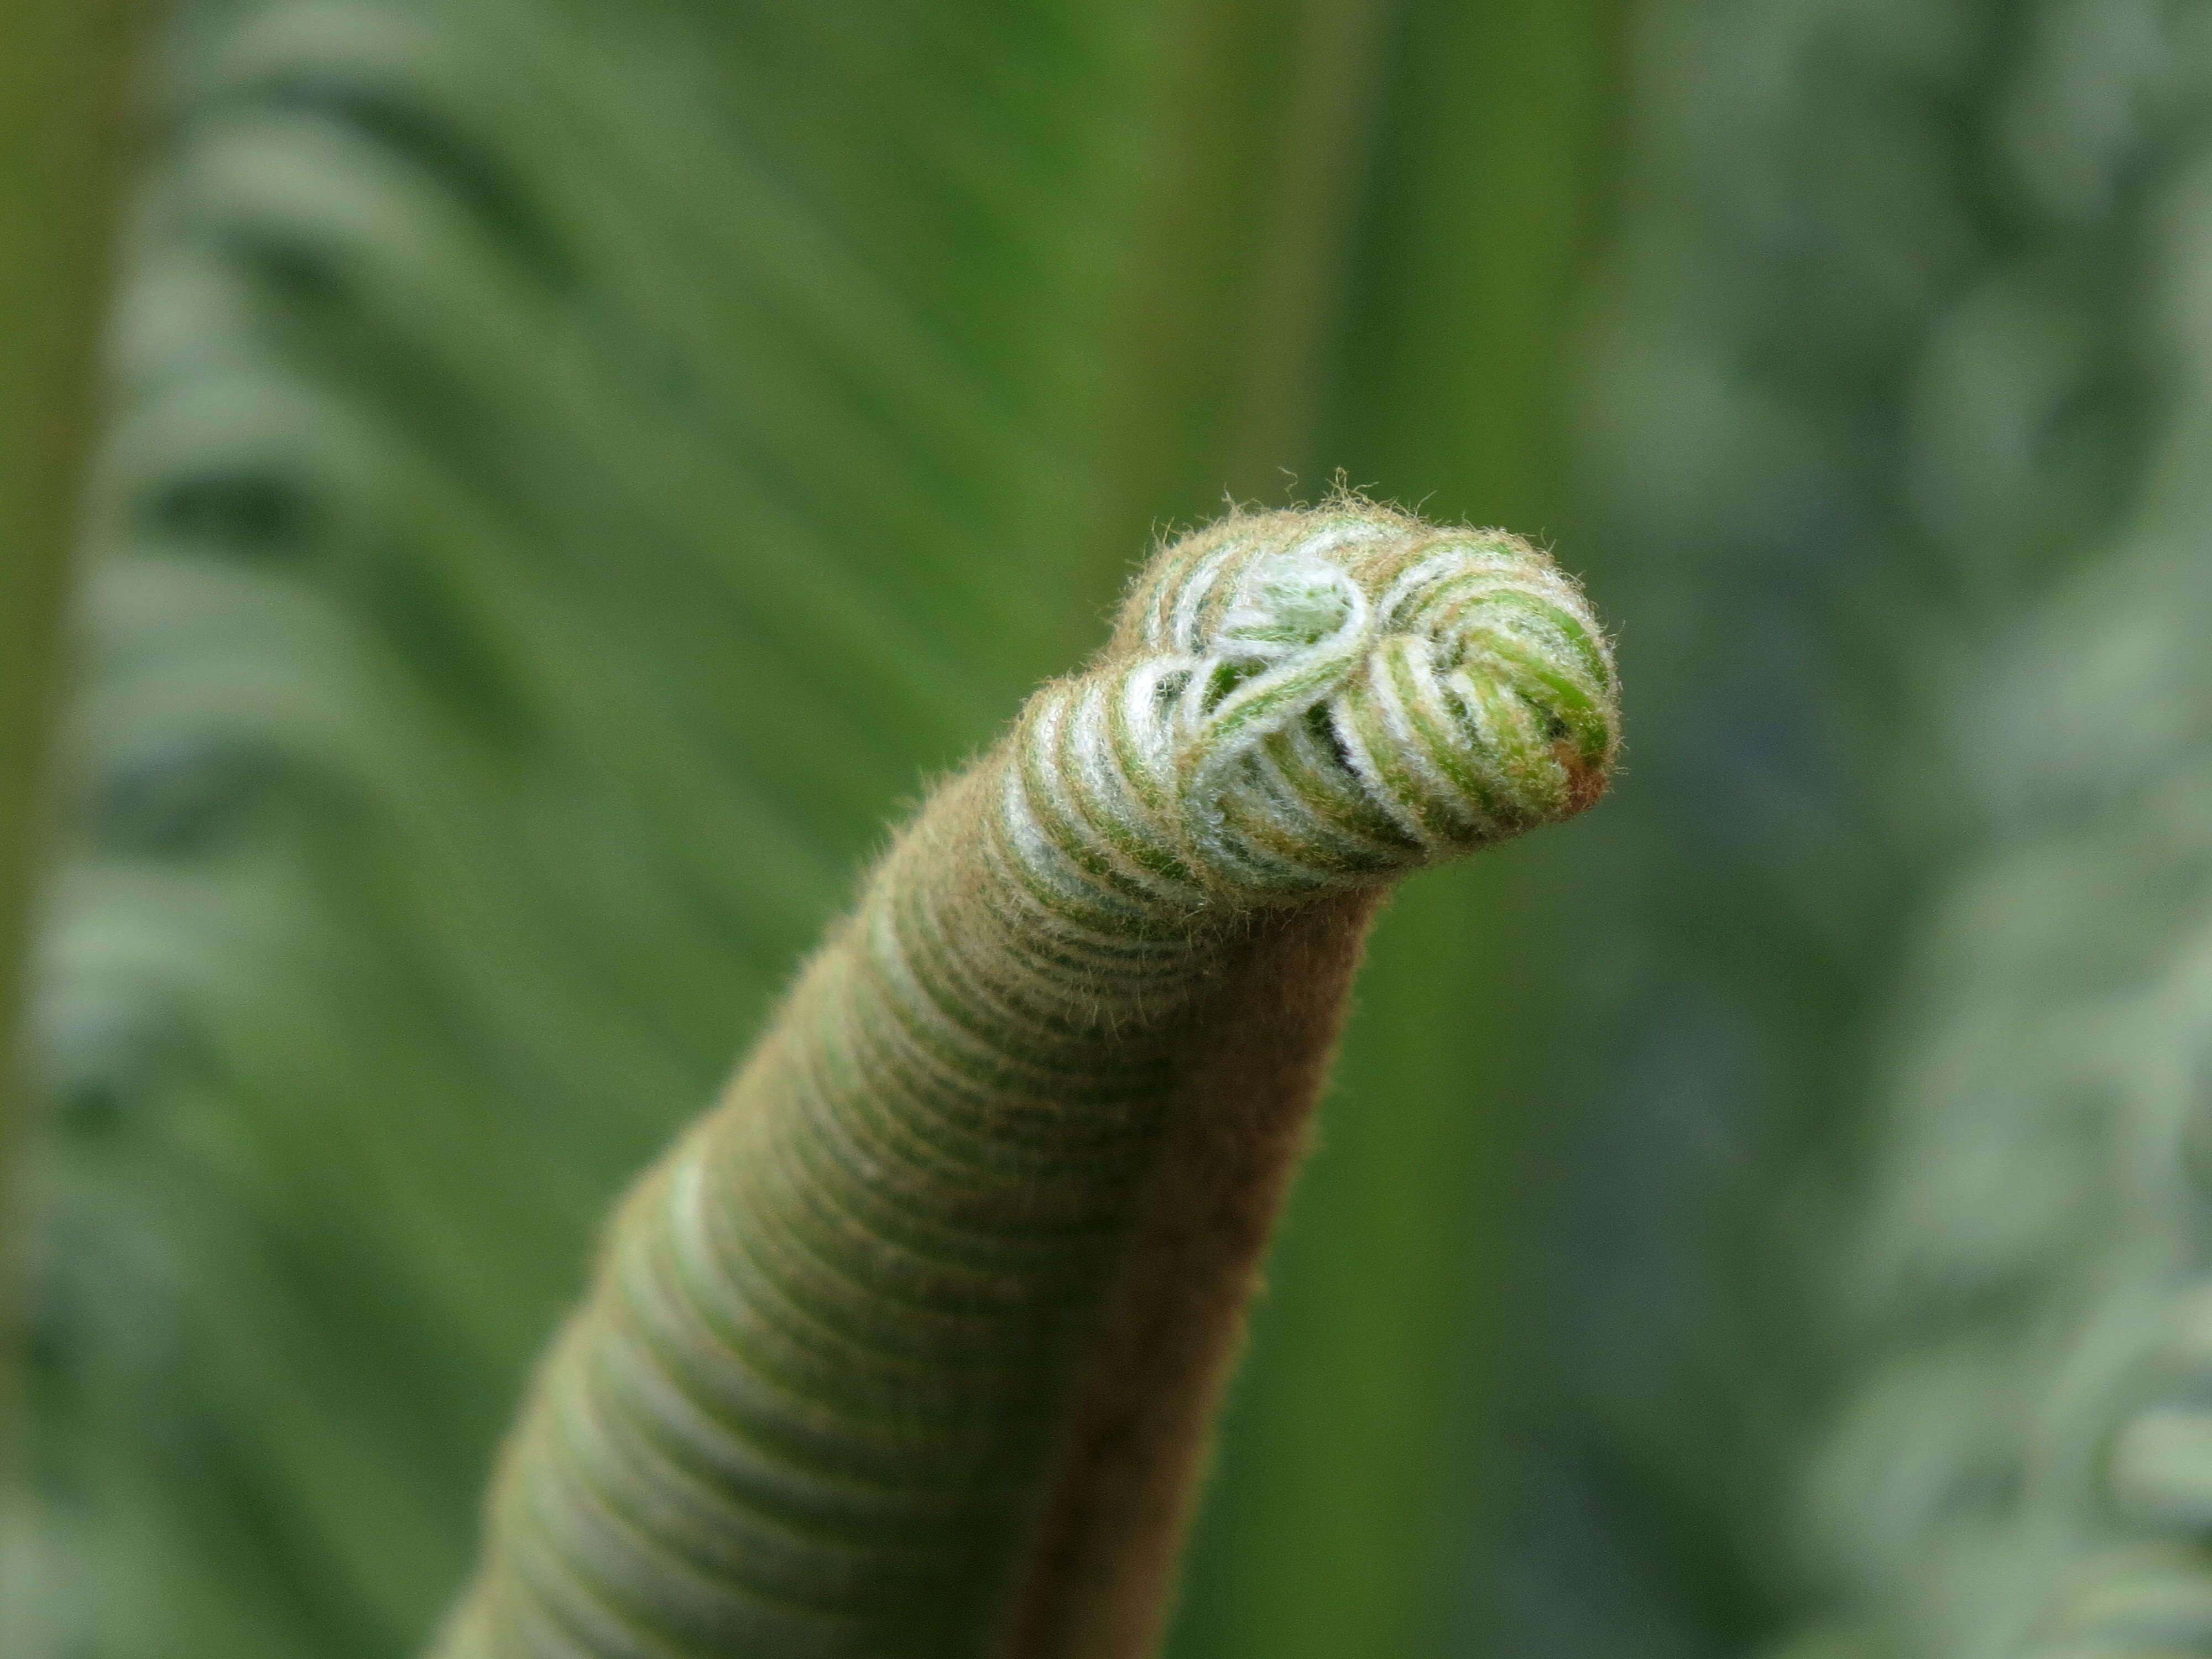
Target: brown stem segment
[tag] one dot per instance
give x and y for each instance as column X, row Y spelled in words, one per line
column 1099, row 1579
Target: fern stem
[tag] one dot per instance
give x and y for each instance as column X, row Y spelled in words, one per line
column 1098, row 1575
column 878, row 1316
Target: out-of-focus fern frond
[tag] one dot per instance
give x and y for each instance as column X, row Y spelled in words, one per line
column 62, row 146
column 2021, row 1463
column 577, row 460
column 1867, row 389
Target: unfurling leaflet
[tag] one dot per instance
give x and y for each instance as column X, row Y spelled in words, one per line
column 909, row 1345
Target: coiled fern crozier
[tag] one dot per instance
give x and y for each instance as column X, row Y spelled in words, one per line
column 909, row 1346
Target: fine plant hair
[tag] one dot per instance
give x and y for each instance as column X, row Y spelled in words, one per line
column 912, row 1343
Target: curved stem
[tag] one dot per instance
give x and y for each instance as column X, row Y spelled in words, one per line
column 913, row 1341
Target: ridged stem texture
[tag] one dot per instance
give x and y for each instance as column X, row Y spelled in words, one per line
column 816, row 1402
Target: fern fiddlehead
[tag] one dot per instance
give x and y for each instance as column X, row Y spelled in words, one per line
column 822, row 1395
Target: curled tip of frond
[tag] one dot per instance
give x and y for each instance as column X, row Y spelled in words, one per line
column 1305, row 698
column 810, row 1405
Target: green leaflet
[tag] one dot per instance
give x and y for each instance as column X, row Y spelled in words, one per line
column 1868, row 392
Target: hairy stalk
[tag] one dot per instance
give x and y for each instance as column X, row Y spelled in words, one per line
column 949, row 1280
column 1101, row 1571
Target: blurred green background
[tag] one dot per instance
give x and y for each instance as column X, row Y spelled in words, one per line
column 570, row 473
